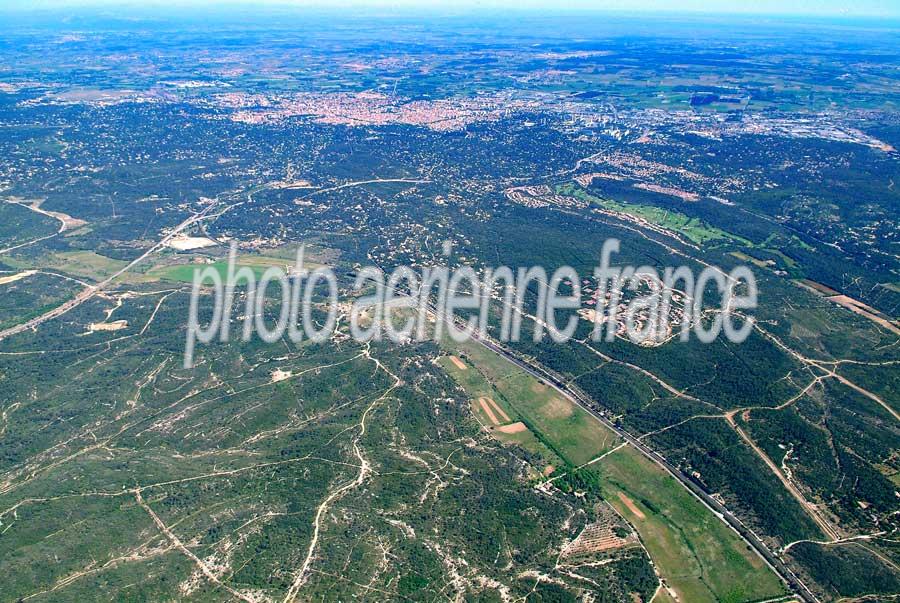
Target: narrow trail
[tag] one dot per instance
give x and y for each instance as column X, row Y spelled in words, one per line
column 831, row 372
column 596, row 459
column 363, row 183
column 819, row 364
column 93, row 290
column 8, row 483
column 140, row 554
column 365, row 468
column 827, row 367
column 187, row 552
column 874, row 536
column 811, row 509
column 35, row 206
column 666, row 386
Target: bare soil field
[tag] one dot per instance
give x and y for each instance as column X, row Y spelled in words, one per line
column 513, row 428
column 458, row 363
column 5, row 280
column 865, row 311
column 280, row 375
column 115, row 325
column 631, row 506
column 186, row 243
column 854, row 305
column 488, row 410
column 500, row 412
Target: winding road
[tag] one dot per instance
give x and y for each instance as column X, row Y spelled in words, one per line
column 544, row 375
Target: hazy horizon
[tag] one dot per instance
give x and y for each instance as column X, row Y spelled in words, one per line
column 775, row 8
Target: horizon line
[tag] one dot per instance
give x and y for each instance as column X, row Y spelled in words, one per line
column 413, row 7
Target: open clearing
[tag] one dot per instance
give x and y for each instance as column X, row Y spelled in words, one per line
column 558, row 408
column 698, row 555
column 116, row 325
column 575, row 435
column 5, row 280
column 693, row 229
column 257, row 263
column 280, row 375
column 83, row 264
column 477, row 387
column 80, row 264
column 700, row 558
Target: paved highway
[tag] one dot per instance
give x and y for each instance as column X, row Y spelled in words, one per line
column 786, row 574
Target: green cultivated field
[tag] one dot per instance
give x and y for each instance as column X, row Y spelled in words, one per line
column 566, row 428
column 476, row 386
column 700, row 557
column 695, row 230
column 257, row 263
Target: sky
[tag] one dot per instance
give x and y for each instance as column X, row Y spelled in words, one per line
column 816, row 8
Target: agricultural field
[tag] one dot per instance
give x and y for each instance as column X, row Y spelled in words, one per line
column 573, row 434
column 692, row 228
column 137, row 146
column 258, row 264
column 698, row 555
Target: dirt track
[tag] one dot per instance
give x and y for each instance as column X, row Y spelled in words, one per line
column 631, row 506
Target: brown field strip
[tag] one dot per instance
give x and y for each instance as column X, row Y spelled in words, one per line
column 488, row 410
column 458, row 363
column 513, row 428
column 631, row 506
column 865, row 311
column 500, row 412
